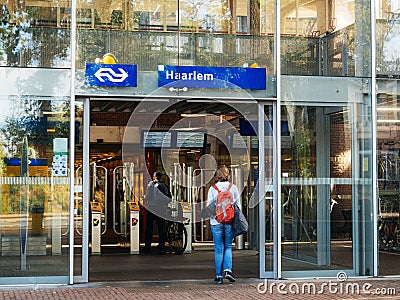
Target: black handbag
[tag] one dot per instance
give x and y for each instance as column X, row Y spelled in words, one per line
column 239, row 223
column 209, row 211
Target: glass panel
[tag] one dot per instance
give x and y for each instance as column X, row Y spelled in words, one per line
column 219, row 38
column 326, row 188
column 211, row 33
column 269, row 142
column 323, row 38
column 34, row 187
column 301, row 24
column 387, row 36
column 317, row 192
column 35, row 36
column 389, row 179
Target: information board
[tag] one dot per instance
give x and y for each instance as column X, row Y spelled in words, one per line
column 190, row 139
column 156, row 139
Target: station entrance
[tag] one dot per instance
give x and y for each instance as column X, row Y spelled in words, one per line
column 185, row 142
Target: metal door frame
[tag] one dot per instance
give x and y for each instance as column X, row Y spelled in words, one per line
column 355, row 208
column 84, row 276
column 262, row 189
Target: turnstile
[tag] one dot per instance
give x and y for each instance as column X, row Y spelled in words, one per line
column 181, row 179
column 134, row 227
column 124, row 222
column 187, row 216
column 96, row 227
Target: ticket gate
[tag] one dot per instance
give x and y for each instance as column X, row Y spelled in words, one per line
column 124, row 204
column 96, row 209
column 187, row 216
column 181, row 190
column 184, row 185
column 134, row 227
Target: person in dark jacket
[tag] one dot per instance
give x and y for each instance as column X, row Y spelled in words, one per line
column 157, row 198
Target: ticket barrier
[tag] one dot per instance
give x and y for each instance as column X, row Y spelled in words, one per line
column 134, row 227
column 187, row 216
column 96, row 227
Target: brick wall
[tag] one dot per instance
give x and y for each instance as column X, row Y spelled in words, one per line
column 340, row 164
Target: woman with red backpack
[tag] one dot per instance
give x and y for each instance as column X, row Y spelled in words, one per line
column 225, row 194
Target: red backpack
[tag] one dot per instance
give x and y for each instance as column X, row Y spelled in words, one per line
column 224, row 206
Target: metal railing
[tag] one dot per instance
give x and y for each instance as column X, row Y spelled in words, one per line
column 329, row 55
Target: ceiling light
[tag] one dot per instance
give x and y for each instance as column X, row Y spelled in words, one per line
column 193, row 115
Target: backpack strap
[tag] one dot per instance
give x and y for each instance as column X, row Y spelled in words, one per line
column 215, row 187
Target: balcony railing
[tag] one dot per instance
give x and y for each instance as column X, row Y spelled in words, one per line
column 330, row 55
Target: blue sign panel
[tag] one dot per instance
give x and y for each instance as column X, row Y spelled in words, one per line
column 111, row 75
column 212, row 77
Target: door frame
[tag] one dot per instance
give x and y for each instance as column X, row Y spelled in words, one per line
column 84, row 276
column 355, row 208
column 263, row 188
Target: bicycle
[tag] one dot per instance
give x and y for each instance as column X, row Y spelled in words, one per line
column 176, row 232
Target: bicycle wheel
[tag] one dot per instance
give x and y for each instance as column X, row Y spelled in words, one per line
column 177, row 237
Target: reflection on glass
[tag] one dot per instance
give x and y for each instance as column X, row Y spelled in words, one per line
column 34, row 183
column 145, row 33
column 268, row 183
column 323, row 39
column 387, row 36
column 388, row 184
column 317, row 196
column 35, row 36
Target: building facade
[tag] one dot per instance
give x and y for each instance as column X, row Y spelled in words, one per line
column 298, row 98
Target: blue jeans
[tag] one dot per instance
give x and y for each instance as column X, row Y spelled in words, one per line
column 223, row 238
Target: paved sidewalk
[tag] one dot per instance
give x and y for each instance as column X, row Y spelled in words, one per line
column 202, row 290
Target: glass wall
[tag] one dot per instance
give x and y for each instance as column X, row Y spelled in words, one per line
column 388, row 177
column 34, row 136
column 326, row 191
column 388, row 71
column 317, row 191
column 186, row 33
column 324, row 38
column 326, row 163
column 32, row 35
column 326, row 184
column 387, row 36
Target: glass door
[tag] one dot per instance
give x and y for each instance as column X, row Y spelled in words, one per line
column 325, row 161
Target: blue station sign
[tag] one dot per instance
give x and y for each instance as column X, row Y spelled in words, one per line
column 111, row 75
column 212, row 77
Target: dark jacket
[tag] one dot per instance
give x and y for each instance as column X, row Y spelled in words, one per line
column 157, row 198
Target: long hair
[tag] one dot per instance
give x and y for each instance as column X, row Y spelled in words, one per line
column 222, row 174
